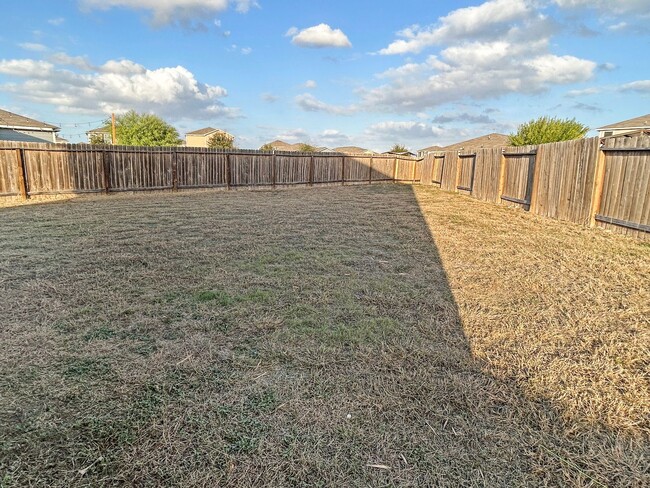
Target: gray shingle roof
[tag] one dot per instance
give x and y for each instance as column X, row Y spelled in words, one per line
column 12, row 120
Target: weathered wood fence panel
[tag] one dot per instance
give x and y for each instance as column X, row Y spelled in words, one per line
column 327, row 169
column 8, row 177
column 486, row 174
column 135, row 169
column 565, row 180
column 519, row 169
column 198, row 168
column 293, row 170
column 253, row 169
column 625, row 203
column 382, row 168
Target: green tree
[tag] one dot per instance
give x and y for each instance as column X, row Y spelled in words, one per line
column 134, row 129
column 306, row 148
column 267, row 147
column 97, row 139
column 548, row 129
column 221, row 140
column 399, row 148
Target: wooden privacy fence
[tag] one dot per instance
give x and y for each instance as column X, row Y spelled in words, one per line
column 587, row 181
column 44, row 169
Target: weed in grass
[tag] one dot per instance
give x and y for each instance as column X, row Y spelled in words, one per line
column 86, row 368
column 100, row 333
column 219, row 297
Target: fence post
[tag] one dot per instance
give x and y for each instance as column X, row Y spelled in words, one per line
column 395, row 170
column 174, row 170
column 311, row 170
column 370, row 172
column 21, row 174
column 459, row 171
column 273, row 176
column 502, row 175
column 107, row 171
column 343, row 171
column 228, row 175
column 534, row 186
column 599, row 183
column 414, row 170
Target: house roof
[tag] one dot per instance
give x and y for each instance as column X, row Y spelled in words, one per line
column 100, row 130
column 484, row 142
column 206, row 131
column 15, row 121
column 632, row 133
column 353, row 150
column 642, row 122
column 431, row 149
column 16, row 136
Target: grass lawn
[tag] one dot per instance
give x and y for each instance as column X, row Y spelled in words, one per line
column 353, row 336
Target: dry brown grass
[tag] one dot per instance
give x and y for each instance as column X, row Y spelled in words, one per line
column 368, row 336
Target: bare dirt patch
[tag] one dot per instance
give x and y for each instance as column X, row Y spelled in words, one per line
column 361, row 336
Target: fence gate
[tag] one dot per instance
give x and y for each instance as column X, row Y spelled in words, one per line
column 519, row 170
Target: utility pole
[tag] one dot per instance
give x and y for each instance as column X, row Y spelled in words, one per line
column 114, row 139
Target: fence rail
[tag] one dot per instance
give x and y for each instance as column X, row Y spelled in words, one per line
column 591, row 182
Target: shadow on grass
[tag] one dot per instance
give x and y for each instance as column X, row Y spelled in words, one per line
column 295, row 338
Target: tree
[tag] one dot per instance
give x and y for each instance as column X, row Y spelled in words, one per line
column 134, row 129
column 548, row 129
column 221, row 140
column 306, row 148
column 399, row 148
column 97, row 139
column 267, row 147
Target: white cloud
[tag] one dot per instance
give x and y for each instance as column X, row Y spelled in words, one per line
column 583, row 92
column 463, row 117
column 246, row 50
column 79, row 62
column 409, row 129
column 56, row 21
column 641, row 86
column 172, row 11
column 310, row 84
column 269, row 97
column 116, row 86
column 310, row 103
column 465, row 23
column 491, row 50
column 334, row 137
column 33, row 46
column 294, row 135
column 318, row 36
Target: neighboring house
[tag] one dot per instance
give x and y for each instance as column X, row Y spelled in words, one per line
column 14, row 127
column 423, row 152
column 488, row 141
column 400, row 153
column 200, row 138
column 353, row 150
column 625, row 127
column 103, row 133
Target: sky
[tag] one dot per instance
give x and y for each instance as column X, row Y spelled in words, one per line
column 329, row 73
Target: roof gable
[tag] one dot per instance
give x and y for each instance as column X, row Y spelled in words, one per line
column 206, row 131
column 12, row 120
column 641, row 122
column 486, row 141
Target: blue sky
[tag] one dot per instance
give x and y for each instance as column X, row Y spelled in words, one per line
column 331, row 73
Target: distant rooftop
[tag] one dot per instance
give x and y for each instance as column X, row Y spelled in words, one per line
column 15, row 121
column 642, row 122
